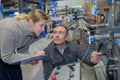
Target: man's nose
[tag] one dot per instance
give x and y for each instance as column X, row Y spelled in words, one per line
column 57, row 35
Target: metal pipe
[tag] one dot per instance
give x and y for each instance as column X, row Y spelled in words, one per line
column 40, row 4
column 21, row 6
column 31, row 2
column 100, row 25
column 1, row 10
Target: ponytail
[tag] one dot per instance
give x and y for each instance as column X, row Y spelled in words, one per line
column 21, row 16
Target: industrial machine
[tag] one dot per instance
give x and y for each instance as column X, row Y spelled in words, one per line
column 66, row 72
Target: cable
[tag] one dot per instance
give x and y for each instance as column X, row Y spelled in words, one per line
column 86, row 53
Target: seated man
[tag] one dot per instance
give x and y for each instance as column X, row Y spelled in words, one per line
column 64, row 52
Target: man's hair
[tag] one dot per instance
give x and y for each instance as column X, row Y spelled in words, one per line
column 62, row 26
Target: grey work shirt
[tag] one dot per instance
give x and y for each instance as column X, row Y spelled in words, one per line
column 13, row 35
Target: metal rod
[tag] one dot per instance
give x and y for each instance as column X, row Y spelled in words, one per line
column 31, row 2
column 21, row 6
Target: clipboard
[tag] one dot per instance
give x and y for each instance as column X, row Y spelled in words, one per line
column 28, row 59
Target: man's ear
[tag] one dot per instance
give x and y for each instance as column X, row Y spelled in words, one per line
column 67, row 37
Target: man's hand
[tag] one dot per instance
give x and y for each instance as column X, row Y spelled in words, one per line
column 36, row 61
column 95, row 57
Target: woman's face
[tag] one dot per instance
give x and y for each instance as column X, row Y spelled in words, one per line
column 38, row 27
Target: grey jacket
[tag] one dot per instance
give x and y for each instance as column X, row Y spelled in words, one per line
column 71, row 53
column 15, row 38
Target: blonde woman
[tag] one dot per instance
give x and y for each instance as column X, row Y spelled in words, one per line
column 16, row 34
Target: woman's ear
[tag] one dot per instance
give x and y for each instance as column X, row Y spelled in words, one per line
column 30, row 22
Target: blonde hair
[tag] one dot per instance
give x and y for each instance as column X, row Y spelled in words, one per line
column 21, row 16
column 36, row 15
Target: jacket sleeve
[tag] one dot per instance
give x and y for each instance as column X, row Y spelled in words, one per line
column 81, row 53
column 47, row 66
column 8, row 41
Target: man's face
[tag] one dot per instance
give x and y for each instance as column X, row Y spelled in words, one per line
column 59, row 35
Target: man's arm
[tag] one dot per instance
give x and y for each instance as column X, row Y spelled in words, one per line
column 91, row 58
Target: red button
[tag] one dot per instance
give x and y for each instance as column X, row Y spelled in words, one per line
column 69, row 65
column 53, row 77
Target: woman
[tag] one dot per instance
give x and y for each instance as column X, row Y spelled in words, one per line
column 16, row 34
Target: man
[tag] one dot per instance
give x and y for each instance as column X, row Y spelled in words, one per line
column 64, row 52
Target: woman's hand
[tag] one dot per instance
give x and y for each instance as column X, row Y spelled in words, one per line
column 40, row 53
column 34, row 62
